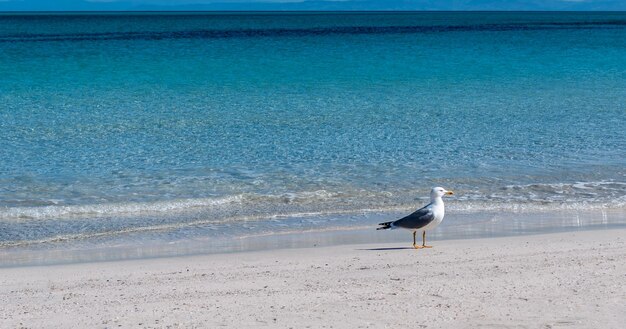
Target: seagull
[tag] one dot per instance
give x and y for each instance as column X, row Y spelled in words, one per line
column 423, row 219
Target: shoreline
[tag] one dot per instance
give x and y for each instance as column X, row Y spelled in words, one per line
column 568, row 279
column 345, row 232
column 303, row 233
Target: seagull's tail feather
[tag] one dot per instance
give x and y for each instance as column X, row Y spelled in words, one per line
column 385, row 226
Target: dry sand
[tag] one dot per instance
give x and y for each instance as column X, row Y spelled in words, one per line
column 564, row 280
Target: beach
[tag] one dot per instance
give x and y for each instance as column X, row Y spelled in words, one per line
column 205, row 169
column 559, row 280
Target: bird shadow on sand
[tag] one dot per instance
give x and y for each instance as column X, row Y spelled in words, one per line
column 389, row 248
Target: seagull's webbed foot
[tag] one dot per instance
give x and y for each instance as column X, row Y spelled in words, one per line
column 424, row 240
column 415, row 245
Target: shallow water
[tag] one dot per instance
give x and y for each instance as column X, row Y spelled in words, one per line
column 304, row 232
column 129, row 129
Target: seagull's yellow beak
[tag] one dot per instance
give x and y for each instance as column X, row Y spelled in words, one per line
column 449, row 193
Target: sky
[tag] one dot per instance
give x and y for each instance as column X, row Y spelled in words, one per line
column 65, row 5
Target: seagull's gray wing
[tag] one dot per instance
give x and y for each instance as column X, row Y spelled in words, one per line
column 416, row 220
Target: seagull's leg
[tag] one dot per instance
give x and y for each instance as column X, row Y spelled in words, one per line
column 424, row 240
column 414, row 242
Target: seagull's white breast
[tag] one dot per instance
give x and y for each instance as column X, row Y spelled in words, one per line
column 439, row 211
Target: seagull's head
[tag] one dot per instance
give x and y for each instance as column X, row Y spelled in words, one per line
column 438, row 192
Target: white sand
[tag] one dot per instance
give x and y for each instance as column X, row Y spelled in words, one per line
column 566, row 280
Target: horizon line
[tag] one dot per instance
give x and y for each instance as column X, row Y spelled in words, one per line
column 311, row 11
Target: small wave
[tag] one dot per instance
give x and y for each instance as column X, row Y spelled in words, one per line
column 267, row 204
column 113, row 209
column 519, row 198
column 602, row 191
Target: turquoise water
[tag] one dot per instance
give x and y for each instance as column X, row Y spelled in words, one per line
column 116, row 128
